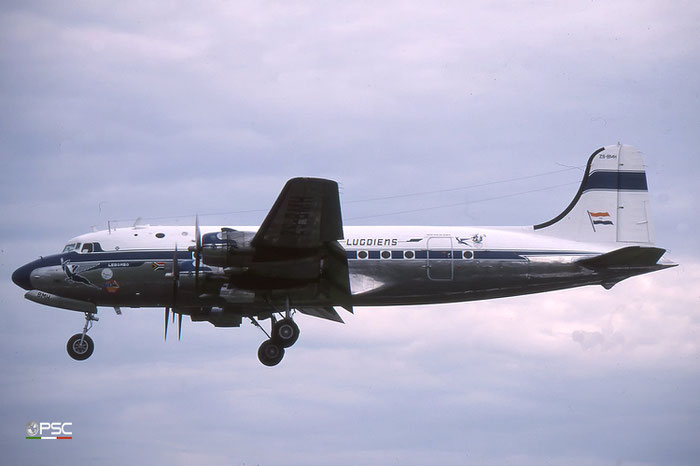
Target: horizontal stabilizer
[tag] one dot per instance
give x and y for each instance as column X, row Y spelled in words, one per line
column 632, row 256
column 324, row 312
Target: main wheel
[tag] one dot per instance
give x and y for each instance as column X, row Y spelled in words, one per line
column 270, row 353
column 79, row 347
column 285, row 332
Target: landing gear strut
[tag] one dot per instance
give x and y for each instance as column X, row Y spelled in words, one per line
column 284, row 334
column 80, row 346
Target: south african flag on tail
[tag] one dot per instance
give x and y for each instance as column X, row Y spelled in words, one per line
column 599, row 218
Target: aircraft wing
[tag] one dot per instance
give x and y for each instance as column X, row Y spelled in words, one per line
column 306, row 215
column 300, row 234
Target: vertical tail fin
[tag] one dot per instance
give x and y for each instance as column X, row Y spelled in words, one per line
column 612, row 203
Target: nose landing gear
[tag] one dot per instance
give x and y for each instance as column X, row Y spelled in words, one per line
column 80, row 346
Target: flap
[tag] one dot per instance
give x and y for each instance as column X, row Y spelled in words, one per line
column 324, row 312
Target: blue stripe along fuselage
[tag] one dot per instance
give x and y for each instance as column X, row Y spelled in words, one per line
column 186, row 257
column 116, row 256
column 616, row 180
column 459, row 254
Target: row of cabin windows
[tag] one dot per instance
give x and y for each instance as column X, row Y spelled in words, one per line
column 456, row 254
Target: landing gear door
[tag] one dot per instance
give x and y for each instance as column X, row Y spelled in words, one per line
column 439, row 261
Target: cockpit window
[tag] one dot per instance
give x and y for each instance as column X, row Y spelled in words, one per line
column 71, row 247
column 87, row 247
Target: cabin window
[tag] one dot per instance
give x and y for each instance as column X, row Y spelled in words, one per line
column 409, row 254
column 386, row 255
column 362, row 254
column 160, row 235
column 467, row 254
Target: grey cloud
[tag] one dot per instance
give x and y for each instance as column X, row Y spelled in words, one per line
column 590, row 340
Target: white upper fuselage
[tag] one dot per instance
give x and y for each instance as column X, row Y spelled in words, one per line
column 522, row 238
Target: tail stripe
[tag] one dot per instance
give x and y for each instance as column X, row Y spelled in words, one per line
column 616, row 181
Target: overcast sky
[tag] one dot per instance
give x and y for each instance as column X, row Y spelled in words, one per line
column 155, row 109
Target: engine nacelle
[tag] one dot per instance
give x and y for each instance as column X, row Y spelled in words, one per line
column 227, row 248
column 218, row 317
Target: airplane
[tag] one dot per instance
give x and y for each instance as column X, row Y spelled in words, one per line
column 302, row 259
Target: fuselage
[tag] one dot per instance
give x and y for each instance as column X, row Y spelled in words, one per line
column 397, row 265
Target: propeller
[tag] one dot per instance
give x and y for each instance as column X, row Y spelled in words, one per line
column 179, row 323
column 176, row 286
column 176, row 275
column 197, row 252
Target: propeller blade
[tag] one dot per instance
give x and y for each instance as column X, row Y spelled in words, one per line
column 197, row 252
column 167, row 312
column 179, row 326
column 198, row 234
column 176, row 276
column 176, row 265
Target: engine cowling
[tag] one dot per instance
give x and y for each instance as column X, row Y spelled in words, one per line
column 218, row 317
column 227, row 248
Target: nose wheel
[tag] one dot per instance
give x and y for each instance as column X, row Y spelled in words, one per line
column 80, row 346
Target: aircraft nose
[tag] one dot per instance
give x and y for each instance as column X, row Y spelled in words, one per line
column 21, row 276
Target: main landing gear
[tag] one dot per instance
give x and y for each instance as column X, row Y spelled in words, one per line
column 80, row 346
column 284, row 334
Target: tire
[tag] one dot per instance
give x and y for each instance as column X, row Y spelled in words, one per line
column 80, row 351
column 285, row 332
column 270, row 353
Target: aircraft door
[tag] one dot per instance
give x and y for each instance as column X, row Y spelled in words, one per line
column 439, row 258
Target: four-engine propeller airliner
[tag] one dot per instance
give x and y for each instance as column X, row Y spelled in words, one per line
column 302, row 259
